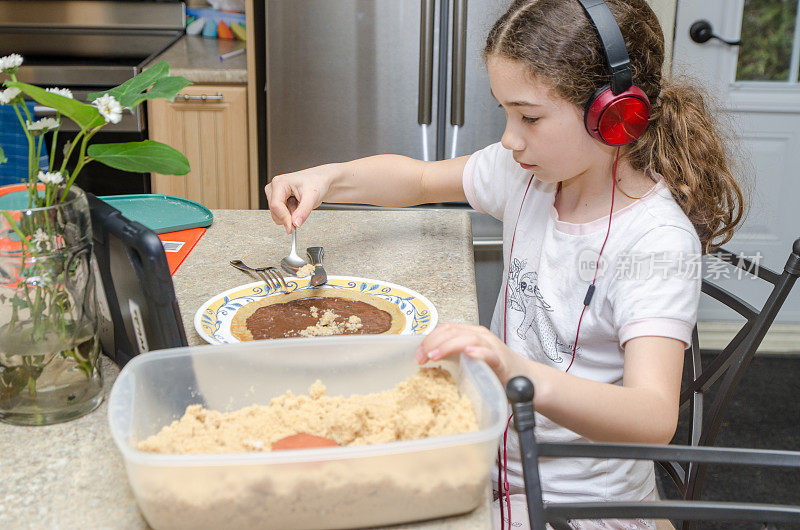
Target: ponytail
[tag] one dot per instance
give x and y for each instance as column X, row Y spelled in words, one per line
column 684, row 144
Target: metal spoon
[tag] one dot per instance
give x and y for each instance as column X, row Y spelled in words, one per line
column 293, row 261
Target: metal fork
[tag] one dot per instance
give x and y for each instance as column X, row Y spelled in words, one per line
column 272, row 276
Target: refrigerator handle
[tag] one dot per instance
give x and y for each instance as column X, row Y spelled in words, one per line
column 458, row 69
column 425, row 62
column 425, row 71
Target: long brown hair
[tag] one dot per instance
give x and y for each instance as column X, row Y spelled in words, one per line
column 560, row 47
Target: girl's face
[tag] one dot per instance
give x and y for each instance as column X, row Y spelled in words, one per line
column 545, row 132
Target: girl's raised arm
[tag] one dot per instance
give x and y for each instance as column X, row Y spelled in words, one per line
column 382, row 180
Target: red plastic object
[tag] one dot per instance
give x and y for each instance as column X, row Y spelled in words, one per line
column 177, row 245
column 302, row 441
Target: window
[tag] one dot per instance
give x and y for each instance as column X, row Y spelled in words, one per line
column 770, row 49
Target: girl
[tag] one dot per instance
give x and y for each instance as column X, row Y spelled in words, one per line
column 609, row 370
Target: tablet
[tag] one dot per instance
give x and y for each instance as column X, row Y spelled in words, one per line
column 137, row 308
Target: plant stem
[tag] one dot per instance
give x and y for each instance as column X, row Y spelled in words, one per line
column 82, row 161
column 15, row 228
column 39, row 152
column 53, row 145
column 31, row 141
column 31, row 182
column 36, row 166
column 71, row 147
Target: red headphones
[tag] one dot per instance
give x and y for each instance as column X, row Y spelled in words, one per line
column 619, row 112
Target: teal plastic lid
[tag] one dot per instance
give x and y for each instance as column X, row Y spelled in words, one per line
column 161, row 213
column 15, row 200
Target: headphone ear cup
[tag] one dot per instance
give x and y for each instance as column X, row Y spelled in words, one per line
column 617, row 119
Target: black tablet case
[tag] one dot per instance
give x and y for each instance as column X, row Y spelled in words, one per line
column 138, row 311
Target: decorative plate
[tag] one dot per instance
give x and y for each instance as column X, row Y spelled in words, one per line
column 213, row 320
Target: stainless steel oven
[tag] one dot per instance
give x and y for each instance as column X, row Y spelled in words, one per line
column 91, row 46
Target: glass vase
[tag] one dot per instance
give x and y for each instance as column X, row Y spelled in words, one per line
column 49, row 345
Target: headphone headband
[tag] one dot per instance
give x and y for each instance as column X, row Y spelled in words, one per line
column 613, row 44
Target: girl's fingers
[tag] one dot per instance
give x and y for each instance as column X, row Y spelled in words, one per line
column 487, row 355
column 272, row 211
column 308, row 201
column 421, row 359
column 291, row 205
column 440, row 334
column 455, row 344
column 278, row 197
column 291, row 202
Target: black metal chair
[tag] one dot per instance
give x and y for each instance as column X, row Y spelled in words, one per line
column 724, row 372
column 520, row 394
column 728, row 367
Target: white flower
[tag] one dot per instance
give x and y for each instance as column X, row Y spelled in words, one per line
column 41, row 239
column 10, row 63
column 67, row 93
column 42, row 126
column 51, row 178
column 8, row 95
column 109, row 108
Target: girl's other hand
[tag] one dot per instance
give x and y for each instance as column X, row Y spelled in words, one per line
column 474, row 341
column 292, row 196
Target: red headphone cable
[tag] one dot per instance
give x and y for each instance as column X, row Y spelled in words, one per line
column 590, row 291
column 502, row 485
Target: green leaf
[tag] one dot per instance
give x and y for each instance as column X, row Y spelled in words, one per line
column 86, row 116
column 166, row 87
column 137, row 84
column 3, row 158
column 141, row 157
column 135, row 90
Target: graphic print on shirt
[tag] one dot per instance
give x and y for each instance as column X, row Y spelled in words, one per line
column 526, row 297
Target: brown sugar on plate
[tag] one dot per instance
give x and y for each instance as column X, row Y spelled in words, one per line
column 305, row 270
column 331, row 324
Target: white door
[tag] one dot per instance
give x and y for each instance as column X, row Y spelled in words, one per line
column 756, row 84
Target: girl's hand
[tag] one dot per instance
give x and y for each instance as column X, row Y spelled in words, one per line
column 292, row 196
column 476, row 342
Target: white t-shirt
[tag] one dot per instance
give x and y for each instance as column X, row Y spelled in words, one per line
column 648, row 285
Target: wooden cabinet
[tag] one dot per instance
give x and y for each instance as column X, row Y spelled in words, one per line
column 212, row 133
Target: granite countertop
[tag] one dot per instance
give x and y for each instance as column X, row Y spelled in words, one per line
column 71, row 475
column 197, row 59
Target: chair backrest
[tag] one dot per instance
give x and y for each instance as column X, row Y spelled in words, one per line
column 520, row 394
column 727, row 368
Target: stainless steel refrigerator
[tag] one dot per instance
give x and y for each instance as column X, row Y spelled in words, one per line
column 351, row 78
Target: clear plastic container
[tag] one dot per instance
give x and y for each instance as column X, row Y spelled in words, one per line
column 339, row 487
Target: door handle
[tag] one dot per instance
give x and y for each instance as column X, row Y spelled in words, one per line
column 702, row 31
column 492, row 243
column 425, row 62
column 459, row 61
column 204, row 97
